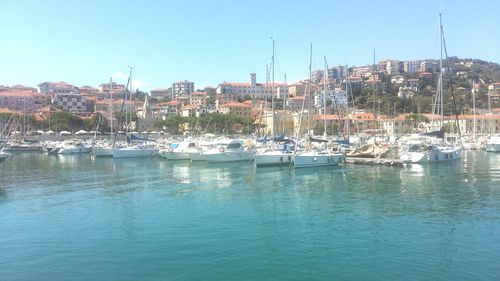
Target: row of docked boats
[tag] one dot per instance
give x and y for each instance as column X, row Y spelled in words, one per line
column 298, row 154
column 233, row 150
column 214, row 150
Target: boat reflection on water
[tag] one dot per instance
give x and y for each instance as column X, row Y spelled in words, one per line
column 73, row 160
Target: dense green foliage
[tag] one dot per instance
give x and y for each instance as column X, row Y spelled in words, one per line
column 216, row 123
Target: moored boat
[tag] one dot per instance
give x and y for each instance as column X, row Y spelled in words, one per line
column 314, row 158
column 493, row 144
column 229, row 151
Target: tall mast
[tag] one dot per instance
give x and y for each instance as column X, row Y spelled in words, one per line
column 309, row 91
column 285, row 94
column 374, row 83
column 272, row 93
column 489, row 112
column 265, row 97
column 325, row 74
column 111, row 101
column 127, row 121
column 441, row 95
column 474, row 110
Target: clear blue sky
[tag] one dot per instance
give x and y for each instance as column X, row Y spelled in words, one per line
column 208, row 42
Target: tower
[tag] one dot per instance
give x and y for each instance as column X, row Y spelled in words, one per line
column 253, row 79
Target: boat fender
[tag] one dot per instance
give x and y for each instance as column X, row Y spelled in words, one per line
column 221, row 149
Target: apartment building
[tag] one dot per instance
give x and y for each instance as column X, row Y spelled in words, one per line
column 24, row 101
column 183, row 87
column 57, row 88
column 236, row 108
column 230, row 92
column 74, row 103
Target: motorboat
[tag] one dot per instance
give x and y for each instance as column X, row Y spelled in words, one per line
column 183, row 151
column 421, row 152
column 22, row 146
column 316, row 158
column 135, row 151
column 229, row 151
column 274, row 156
column 493, row 144
column 72, row 147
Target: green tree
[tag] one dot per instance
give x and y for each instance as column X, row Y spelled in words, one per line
column 64, row 121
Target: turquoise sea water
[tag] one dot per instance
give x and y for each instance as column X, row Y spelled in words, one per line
column 74, row 218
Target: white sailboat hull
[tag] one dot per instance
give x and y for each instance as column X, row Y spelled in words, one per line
column 73, row 150
column 229, row 156
column 493, row 147
column 102, row 152
column 133, row 152
column 493, row 144
column 437, row 154
column 273, row 158
column 316, row 159
column 175, row 155
column 200, row 156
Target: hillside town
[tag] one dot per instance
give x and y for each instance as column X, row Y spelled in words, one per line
column 384, row 98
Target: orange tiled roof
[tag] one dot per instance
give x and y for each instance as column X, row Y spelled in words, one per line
column 172, row 103
column 17, row 94
column 328, row 117
column 363, row 116
column 235, row 104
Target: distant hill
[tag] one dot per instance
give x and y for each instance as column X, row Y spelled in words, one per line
column 478, row 70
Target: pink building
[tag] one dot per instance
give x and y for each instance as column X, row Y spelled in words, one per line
column 24, row 101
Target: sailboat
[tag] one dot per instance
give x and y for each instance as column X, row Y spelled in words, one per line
column 319, row 156
column 275, row 154
column 134, row 150
column 434, row 148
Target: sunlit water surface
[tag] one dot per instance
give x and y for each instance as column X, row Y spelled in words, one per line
column 74, row 218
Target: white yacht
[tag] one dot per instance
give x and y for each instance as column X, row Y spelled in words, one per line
column 22, row 147
column 72, row 147
column 136, row 151
column 183, row 151
column 273, row 156
column 433, row 148
column 493, row 144
column 421, row 152
column 315, row 158
column 229, row 151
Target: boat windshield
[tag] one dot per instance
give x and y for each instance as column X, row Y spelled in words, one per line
column 234, row 145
